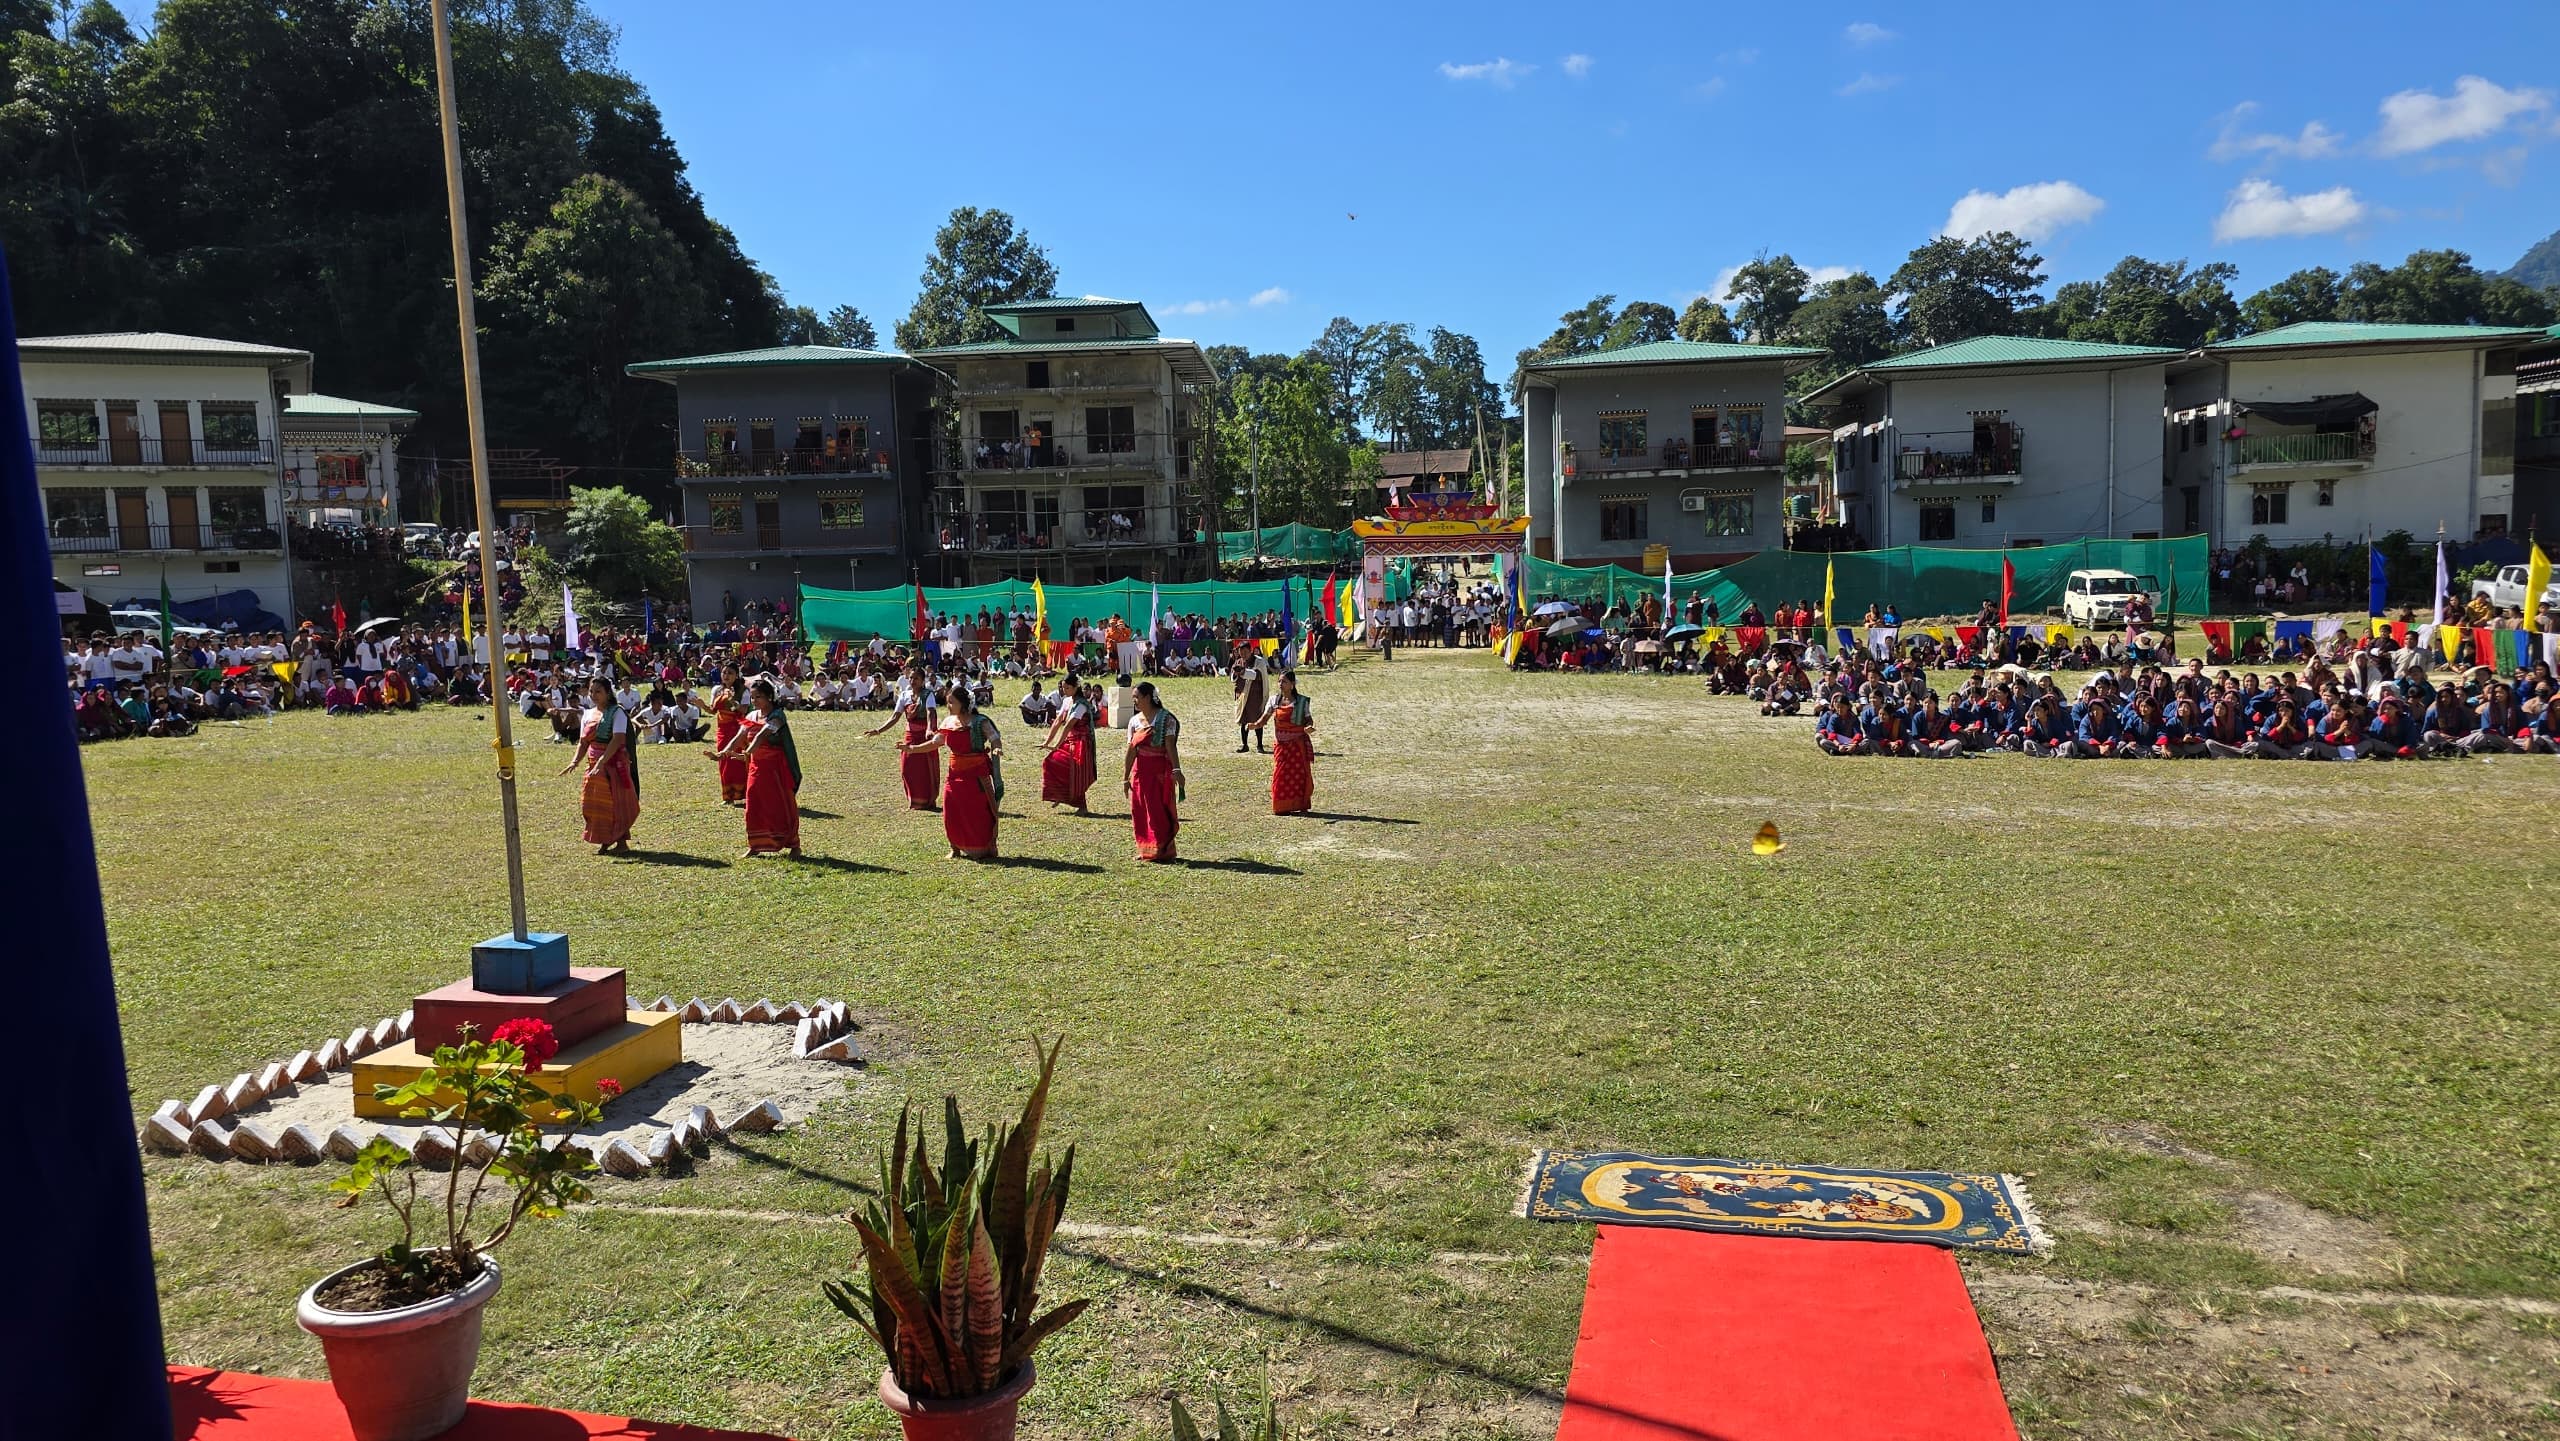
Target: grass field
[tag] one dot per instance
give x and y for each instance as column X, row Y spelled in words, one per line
column 2273, row 1043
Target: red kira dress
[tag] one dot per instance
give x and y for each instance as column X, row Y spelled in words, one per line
column 726, row 715
column 610, row 797
column 919, row 771
column 968, row 791
column 1151, row 802
column 1293, row 755
column 773, row 788
column 1068, row 772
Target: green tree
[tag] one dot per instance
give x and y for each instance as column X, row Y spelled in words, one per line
column 1953, row 289
column 979, row 259
column 2438, row 287
column 1705, row 320
column 1642, row 323
column 1848, row 320
column 1577, row 332
column 2145, row 302
column 1289, row 419
column 616, row 549
column 1457, row 390
column 1766, row 293
column 849, row 327
column 2310, row 294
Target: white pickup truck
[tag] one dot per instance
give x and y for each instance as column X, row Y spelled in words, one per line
column 2506, row 590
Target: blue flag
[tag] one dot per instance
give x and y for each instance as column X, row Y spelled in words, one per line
column 1288, row 621
column 2374, row 581
column 648, row 620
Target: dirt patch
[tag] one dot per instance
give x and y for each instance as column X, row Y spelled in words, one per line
column 2150, row 1140
column 2283, row 1230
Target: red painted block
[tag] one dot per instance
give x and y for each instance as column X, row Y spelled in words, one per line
column 586, row 1004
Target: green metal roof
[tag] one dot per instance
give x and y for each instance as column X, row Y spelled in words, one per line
column 331, row 407
column 771, row 355
column 1061, row 302
column 1187, row 358
column 2355, row 332
column 163, row 344
column 2017, row 350
column 1010, row 314
column 1678, row 352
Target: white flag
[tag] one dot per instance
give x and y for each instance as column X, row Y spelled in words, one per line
column 2443, row 584
column 569, row 617
column 1155, row 608
column 1667, row 614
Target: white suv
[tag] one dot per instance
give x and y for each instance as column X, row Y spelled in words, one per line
column 2099, row 597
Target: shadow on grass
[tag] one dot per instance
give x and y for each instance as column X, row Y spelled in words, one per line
column 753, row 1157
column 1193, row 1290
column 1041, row 863
column 839, row 863
column 1364, row 820
column 671, row 858
column 1240, row 865
column 808, row 813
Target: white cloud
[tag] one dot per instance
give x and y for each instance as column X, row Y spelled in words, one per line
column 1500, row 72
column 1577, row 65
column 2260, row 209
column 2032, row 211
column 1744, row 56
column 1867, row 32
column 1824, row 274
column 1707, row 89
column 2416, row 120
column 2504, row 167
column 1868, row 83
column 1274, row 295
column 1201, row 307
column 2315, row 141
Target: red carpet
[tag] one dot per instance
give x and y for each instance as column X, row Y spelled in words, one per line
column 229, row 1406
column 1688, row 1336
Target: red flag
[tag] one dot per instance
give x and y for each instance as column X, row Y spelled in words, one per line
column 923, row 621
column 1332, row 599
column 338, row 614
column 2008, row 587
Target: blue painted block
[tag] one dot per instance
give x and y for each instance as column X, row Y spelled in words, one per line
column 512, row 967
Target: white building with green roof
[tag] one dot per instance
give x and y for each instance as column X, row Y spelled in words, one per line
column 1081, row 439
column 1674, row 443
column 2338, row 430
column 2001, row 440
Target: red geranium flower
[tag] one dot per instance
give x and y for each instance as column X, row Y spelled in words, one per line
column 608, row 1088
column 530, row 1034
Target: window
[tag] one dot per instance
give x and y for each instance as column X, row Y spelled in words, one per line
column 238, row 508
column 2201, row 427
column 1875, row 447
column 1740, row 429
column 839, row 510
column 1114, row 512
column 1625, row 519
column 1066, row 325
column 2328, row 493
column 1110, row 429
column 2191, row 508
column 2182, row 435
column 222, row 567
column 728, row 514
column 999, row 424
column 1728, row 515
column 340, row 470
column 76, row 514
column 1937, row 522
column 230, row 425
column 2492, row 523
column 2542, row 414
column 2268, row 504
column 1990, row 512
column 1621, row 437
column 1035, row 374
column 67, row 424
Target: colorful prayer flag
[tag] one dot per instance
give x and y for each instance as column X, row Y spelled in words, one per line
column 569, row 618
column 2537, row 579
column 2374, row 578
column 1039, row 610
column 1828, row 566
column 2484, row 646
column 2008, row 587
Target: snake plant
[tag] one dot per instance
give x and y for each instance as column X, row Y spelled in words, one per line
column 953, row 1255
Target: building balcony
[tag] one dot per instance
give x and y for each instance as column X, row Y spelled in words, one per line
column 1959, row 457
column 773, row 540
column 74, row 538
column 151, row 452
column 1128, row 451
column 1670, row 458
column 2262, row 449
column 1082, row 531
column 792, row 460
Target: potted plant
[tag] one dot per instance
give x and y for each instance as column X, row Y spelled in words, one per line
column 953, row 1262
column 401, row 1329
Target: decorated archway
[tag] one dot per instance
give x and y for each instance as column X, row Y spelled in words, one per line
column 1441, row 524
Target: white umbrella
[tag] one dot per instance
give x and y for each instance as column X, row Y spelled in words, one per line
column 1572, row 626
column 377, row 623
column 1556, row 607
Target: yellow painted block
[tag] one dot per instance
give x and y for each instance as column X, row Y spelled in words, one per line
column 646, row 1043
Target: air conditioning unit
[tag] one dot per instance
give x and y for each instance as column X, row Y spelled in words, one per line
column 1693, row 503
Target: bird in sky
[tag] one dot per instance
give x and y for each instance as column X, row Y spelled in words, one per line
column 1348, row 215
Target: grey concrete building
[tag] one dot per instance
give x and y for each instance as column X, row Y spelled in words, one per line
column 1674, row 443
column 799, row 464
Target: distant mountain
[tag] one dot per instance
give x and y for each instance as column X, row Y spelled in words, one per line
column 2540, row 267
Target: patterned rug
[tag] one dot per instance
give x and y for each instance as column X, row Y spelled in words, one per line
column 1989, row 1213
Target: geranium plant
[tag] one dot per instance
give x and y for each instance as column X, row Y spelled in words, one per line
column 954, row 1256
column 470, row 1090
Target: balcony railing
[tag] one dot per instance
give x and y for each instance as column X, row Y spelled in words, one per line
column 790, row 460
column 2301, row 449
column 1125, row 450
column 1927, row 456
column 1009, row 530
column 147, row 451
column 68, row 537
column 1675, row 454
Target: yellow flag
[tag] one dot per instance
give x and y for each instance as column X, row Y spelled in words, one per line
column 1826, row 595
column 2450, row 637
column 466, row 615
column 2537, row 578
column 1039, row 611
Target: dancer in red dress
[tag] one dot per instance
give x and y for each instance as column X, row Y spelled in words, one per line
column 610, row 797
column 970, row 786
column 919, row 761
column 1293, row 750
column 728, row 709
column 1067, row 771
column 1152, row 772
column 763, row 744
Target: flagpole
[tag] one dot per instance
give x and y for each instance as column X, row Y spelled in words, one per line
column 486, row 508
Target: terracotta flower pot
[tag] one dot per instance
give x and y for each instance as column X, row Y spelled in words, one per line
column 990, row 1417
column 404, row 1374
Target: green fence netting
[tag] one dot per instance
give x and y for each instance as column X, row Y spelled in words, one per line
column 1916, row 580
column 1290, row 545
column 830, row 615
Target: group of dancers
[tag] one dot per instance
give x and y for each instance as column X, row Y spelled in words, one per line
column 950, row 759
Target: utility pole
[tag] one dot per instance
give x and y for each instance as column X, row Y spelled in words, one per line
column 1253, row 429
column 487, row 509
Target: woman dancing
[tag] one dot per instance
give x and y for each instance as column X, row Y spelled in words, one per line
column 764, row 746
column 971, row 786
column 1152, row 774
column 728, row 709
column 1067, row 772
column 919, row 760
column 610, row 797
column 1293, row 752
